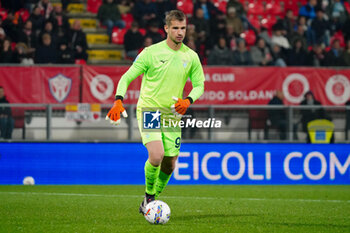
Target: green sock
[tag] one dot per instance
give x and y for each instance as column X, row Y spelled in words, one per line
column 162, row 181
column 151, row 175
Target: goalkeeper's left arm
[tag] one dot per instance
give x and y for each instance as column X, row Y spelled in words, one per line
column 197, row 79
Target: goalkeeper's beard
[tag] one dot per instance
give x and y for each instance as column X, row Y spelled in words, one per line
column 176, row 42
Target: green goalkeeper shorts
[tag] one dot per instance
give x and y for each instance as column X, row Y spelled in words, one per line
column 171, row 137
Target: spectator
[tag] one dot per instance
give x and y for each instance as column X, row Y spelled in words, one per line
column 77, row 41
column 46, row 53
column 209, row 10
column 333, row 57
column 308, row 115
column 221, row 54
column 346, row 54
column 336, row 9
column 48, row 28
column 2, row 35
column 125, row 6
column 278, row 38
column 233, row 20
column 46, row 8
column 297, row 56
column 28, row 37
column 64, row 5
column 260, row 53
column 23, row 54
column 299, row 34
column 145, row 11
column 346, row 29
column 217, row 27
column 12, row 5
column 309, row 9
column 278, row 56
column 201, row 24
column 37, row 20
column 147, row 42
column 277, row 117
column 231, row 38
column 10, row 27
column 60, row 23
column 317, row 56
column 65, row 54
column 288, row 22
column 6, row 54
column 265, row 34
column 237, row 5
column 133, row 41
column 153, row 32
column 109, row 16
column 241, row 55
column 163, row 6
column 319, row 28
column 6, row 121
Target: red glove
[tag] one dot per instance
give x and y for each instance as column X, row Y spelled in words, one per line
column 180, row 107
column 114, row 113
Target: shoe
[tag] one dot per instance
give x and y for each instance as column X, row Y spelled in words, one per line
column 148, row 198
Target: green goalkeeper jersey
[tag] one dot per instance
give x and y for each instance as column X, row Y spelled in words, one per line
column 165, row 74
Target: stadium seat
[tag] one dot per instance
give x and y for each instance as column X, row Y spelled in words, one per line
column 142, row 31
column 221, row 5
column 274, row 9
column 128, row 19
column 3, row 13
column 24, row 14
column 93, row 5
column 268, row 22
column 249, row 37
column 338, row 36
column 256, row 9
column 79, row 62
column 254, row 21
column 347, row 7
column 257, row 120
column 118, row 35
column 186, row 6
column 18, row 114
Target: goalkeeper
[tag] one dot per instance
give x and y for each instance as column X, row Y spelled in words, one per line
column 166, row 67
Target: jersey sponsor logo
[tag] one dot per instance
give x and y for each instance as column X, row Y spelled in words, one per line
column 338, row 89
column 60, row 87
column 151, row 120
column 163, row 61
column 185, row 62
column 101, row 87
column 294, row 87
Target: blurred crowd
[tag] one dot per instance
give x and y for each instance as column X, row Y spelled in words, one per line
column 317, row 34
column 33, row 31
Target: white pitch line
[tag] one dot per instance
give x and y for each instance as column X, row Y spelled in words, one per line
column 175, row 197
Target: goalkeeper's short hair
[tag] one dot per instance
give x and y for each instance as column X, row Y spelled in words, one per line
column 174, row 15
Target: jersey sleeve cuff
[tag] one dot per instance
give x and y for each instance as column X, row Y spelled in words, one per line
column 119, row 97
column 190, row 99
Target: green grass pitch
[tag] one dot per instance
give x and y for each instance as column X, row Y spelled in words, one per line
column 194, row 209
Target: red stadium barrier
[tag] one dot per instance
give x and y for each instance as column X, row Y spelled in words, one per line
column 224, row 85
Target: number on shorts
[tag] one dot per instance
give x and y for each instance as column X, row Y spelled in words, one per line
column 177, row 142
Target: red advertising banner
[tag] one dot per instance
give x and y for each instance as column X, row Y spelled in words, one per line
column 37, row 84
column 100, row 83
column 224, row 85
column 234, row 85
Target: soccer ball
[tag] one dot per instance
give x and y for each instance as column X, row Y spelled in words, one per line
column 28, row 180
column 157, row 212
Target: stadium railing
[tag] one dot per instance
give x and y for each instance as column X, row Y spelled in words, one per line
column 239, row 123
